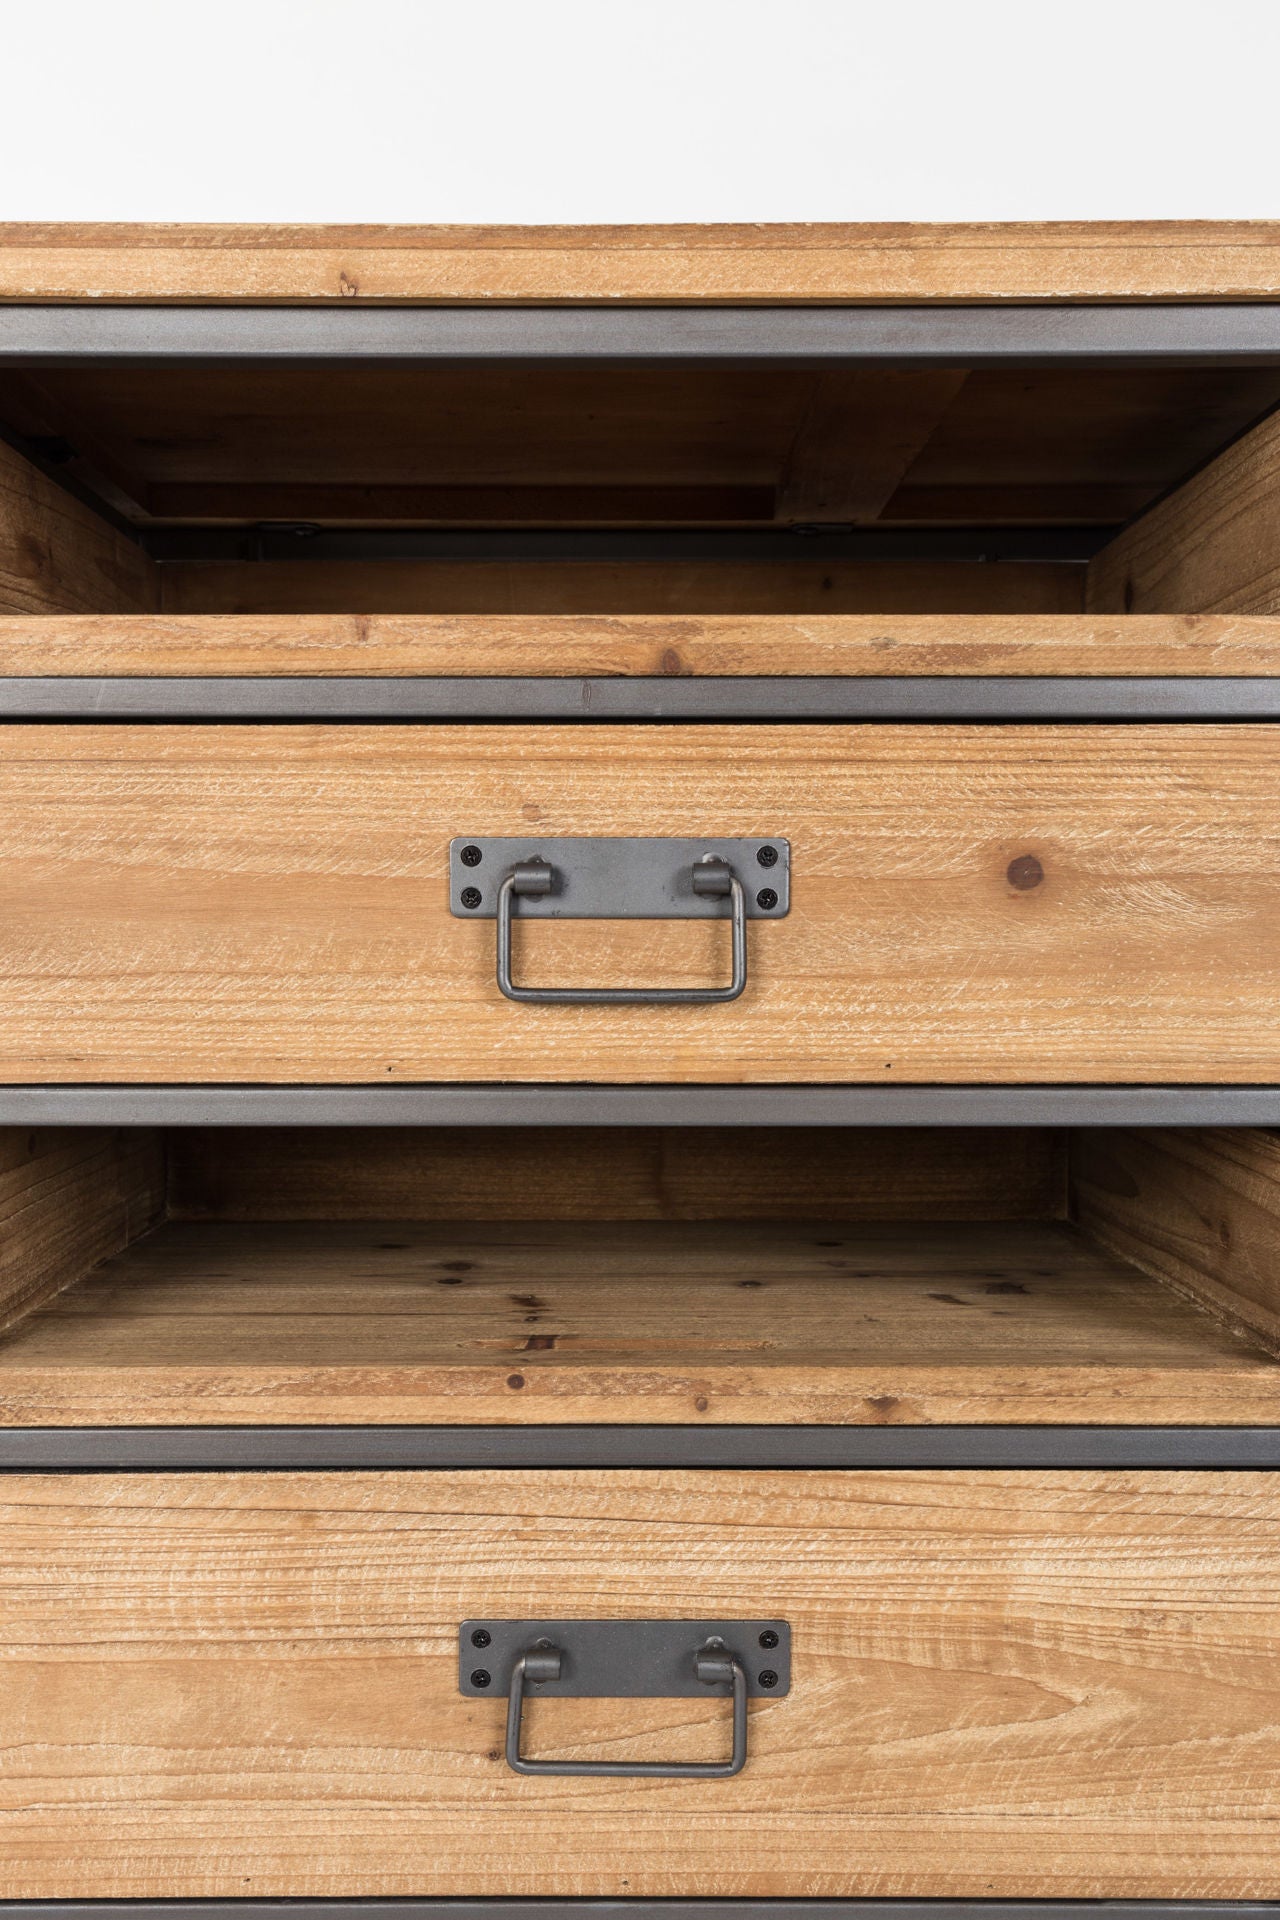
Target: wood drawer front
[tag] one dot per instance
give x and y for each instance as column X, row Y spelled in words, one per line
column 1004, row 1683
column 969, row 903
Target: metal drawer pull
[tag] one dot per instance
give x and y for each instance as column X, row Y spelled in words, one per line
column 713, row 1665
column 617, row 878
column 626, row 1660
column 710, row 879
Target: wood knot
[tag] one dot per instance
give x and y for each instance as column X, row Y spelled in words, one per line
column 1025, row 872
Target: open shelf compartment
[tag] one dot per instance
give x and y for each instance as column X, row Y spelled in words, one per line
column 832, row 1276
column 784, row 463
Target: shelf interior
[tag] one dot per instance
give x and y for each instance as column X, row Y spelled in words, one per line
column 548, row 445
column 669, row 1315
column 558, row 487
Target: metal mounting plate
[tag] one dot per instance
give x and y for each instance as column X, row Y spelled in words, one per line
column 619, row 878
column 624, row 1659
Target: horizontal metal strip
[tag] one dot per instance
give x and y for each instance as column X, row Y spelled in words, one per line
column 280, row 1449
column 567, row 1104
column 618, row 877
column 533, row 1908
column 1199, row 334
column 770, row 546
column 674, row 698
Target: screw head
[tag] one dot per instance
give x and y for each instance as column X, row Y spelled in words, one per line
column 471, row 897
column 471, row 856
column 767, row 856
column 766, row 898
column 768, row 1678
column 768, row 1639
column 482, row 1677
column 481, row 1637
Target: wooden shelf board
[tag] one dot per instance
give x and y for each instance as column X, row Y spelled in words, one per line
column 641, row 646
column 805, row 261
column 559, row 1321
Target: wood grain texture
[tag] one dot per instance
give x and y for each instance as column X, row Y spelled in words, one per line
column 823, row 262
column 1004, row 1684
column 518, row 590
column 653, row 1322
column 641, row 645
column 69, row 1197
column 1199, row 1208
column 857, row 437
column 617, row 1173
column 57, row 556
column 1212, row 547
column 268, row 903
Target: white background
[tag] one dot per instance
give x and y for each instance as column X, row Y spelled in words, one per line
column 604, row 110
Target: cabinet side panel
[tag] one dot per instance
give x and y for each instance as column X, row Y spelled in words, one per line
column 58, row 556
column 1212, row 547
column 70, row 1196
column 1197, row 1207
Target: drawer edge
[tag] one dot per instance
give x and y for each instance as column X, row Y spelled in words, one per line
column 532, row 1908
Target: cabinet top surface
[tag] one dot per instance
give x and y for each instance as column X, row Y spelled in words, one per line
column 822, row 263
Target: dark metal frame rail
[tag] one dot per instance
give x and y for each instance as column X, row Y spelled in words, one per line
column 757, row 699
column 1190, row 333
column 566, row 1104
column 697, row 1449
